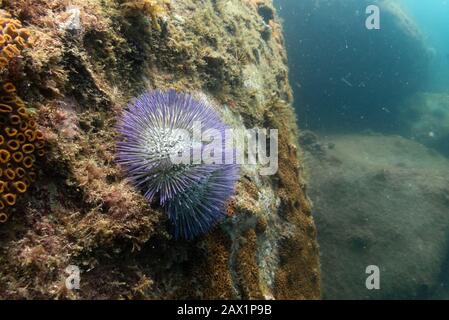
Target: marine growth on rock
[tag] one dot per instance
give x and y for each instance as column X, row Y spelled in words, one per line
column 20, row 143
column 154, row 9
column 193, row 195
column 13, row 39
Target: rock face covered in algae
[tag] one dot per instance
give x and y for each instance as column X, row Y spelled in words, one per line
column 89, row 59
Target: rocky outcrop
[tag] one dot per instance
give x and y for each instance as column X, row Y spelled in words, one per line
column 345, row 76
column 425, row 118
column 88, row 61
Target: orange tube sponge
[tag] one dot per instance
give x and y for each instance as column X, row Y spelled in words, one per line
column 20, row 144
column 3, row 217
column 13, row 40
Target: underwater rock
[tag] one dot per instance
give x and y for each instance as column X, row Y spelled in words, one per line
column 21, row 144
column 383, row 203
column 85, row 213
column 309, row 141
column 266, row 12
column 13, row 39
column 154, row 9
column 425, row 118
column 340, row 65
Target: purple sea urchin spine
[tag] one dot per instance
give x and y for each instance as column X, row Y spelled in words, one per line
column 194, row 195
column 206, row 198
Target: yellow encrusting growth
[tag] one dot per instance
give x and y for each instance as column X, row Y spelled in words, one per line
column 154, row 9
column 13, row 40
column 19, row 142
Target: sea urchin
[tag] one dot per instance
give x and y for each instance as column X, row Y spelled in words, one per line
column 193, row 194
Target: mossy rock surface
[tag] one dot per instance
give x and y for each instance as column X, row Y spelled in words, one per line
column 83, row 212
